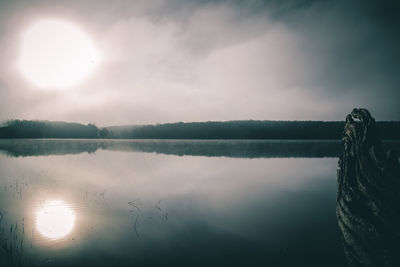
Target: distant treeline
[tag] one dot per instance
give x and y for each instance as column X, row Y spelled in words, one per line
column 192, row 130
column 48, row 129
column 247, row 130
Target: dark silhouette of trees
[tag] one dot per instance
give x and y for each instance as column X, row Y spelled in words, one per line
column 246, row 130
column 192, row 130
column 103, row 133
column 46, row 129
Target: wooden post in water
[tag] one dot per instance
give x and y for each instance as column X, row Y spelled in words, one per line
column 368, row 200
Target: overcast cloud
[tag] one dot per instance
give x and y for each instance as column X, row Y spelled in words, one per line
column 167, row 61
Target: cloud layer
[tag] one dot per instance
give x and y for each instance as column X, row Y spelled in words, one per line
column 167, row 61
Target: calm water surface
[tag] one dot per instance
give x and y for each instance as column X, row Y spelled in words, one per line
column 118, row 203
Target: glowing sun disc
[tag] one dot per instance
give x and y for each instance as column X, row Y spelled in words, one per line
column 55, row 219
column 56, row 54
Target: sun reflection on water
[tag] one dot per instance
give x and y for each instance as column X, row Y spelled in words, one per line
column 55, row 219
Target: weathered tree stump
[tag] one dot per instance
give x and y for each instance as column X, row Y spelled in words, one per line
column 368, row 200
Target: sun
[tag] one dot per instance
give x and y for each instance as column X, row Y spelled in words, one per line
column 55, row 219
column 56, row 54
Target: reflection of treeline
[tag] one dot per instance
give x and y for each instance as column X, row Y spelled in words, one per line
column 192, row 130
column 40, row 147
column 208, row 148
column 247, row 130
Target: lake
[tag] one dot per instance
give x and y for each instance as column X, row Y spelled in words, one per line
column 169, row 203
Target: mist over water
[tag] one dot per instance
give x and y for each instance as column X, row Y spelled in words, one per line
column 181, row 70
column 135, row 207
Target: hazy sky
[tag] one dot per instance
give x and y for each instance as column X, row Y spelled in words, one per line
column 175, row 60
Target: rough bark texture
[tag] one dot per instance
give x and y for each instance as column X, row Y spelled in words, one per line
column 368, row 201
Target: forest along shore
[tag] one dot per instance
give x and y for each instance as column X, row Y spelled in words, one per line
column 250, row 129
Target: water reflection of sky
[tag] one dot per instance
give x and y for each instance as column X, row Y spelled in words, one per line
column 133, row 207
